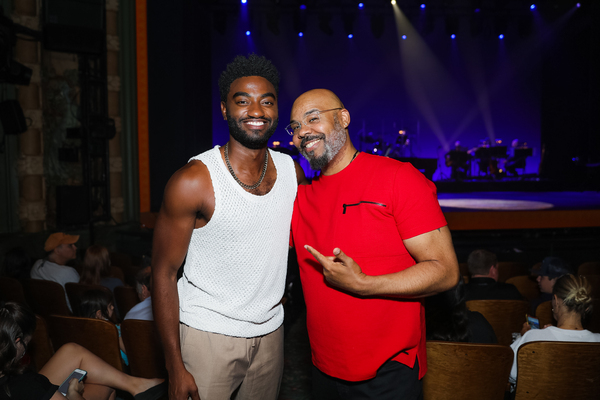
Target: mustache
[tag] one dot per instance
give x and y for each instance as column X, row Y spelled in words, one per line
column 307, row 139
column 267, row 119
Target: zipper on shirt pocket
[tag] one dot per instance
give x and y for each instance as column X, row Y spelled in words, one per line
column 361, row 202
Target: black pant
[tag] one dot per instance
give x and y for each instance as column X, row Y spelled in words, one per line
column 394, row 381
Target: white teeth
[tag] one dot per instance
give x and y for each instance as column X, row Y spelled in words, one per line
column 256, row 123
column 312, row 144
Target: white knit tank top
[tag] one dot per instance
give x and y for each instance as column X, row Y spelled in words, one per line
column 234, row 274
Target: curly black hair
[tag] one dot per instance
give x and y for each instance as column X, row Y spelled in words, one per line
column 241, row 66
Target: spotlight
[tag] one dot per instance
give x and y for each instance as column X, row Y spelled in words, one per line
column 300, row 34
column 361, row 5
column 453, row 36
column 532, row 7
column 404, row 37
column 501, row 36
column 423, row 6
column 393, row 2
column 348, row 22
column 350, row 36
column 244, row 1
column 247, row 33
column 578, row 5
column 303, row 6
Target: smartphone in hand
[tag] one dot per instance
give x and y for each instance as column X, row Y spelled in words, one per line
column 78, row 374
column 533, row 322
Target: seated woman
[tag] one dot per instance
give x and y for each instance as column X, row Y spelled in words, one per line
column 447, row 318
column 571, row 303
column 17, row 324
column 99, row 304
column 96, row 268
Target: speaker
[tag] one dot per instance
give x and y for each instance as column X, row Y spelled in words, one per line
column 74, row 26
column 12, row 118
column 71, row 206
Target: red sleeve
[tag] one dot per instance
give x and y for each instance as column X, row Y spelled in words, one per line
column 416, row 210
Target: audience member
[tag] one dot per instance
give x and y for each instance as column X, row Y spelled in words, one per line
column 96, row 268
column 447, row 318
column 143, row 285
column 552, row 268
column 483, row 284
column 61, row 249
column 98, row 304
column 571, row 303
column 17, row 264
column 17, row 324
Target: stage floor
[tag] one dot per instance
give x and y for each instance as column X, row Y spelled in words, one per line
column 520, row 210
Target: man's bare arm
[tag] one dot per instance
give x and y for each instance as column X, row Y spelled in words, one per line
column 172, row 233
column 436, row 269
column 300, row 174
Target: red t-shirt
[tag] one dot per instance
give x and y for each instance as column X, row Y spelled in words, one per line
column 366, row 210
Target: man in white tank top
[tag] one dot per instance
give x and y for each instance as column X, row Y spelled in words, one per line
column 227, row 213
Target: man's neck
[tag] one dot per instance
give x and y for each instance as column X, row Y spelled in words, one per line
column 56, row 259
column 245, row 159
column 341, row 160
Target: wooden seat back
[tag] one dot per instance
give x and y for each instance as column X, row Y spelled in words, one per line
column 558, row 370
column 126, row 297
column 505, row 316
column 46, row 297
column 98, row 336
column 144, row 350
column 526, row 285
column 466, row 371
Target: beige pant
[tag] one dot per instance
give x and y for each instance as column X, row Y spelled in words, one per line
column 227, row 367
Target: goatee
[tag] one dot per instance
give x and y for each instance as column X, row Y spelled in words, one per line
column 255, row 141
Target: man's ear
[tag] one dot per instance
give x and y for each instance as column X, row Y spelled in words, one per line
column 345, row 121
column 224, row 110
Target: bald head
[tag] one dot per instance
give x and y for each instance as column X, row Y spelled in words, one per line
column 321, row 96
column 320, row 123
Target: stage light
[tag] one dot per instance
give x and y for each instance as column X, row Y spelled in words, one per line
column 532, row 7
column 361, row 5
column 423, row 6
column 350, row 36
column 393, row 2
column 403, row 37
column 453, row 36
column 300, row 34
column 477, row 10
column 501, row 36
column 578, row 5
column 303, row 6
column 244, row 1
column 247, row 33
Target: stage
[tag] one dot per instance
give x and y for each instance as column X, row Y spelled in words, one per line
column 491, row 210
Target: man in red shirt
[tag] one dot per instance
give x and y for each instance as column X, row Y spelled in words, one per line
column 371, row 241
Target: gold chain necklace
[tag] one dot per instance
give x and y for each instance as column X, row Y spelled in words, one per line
column 242, row 184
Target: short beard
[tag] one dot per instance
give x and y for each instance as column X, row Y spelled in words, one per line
column 250, row 142
column 333, row 145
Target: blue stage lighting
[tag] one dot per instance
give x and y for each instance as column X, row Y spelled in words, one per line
column 501, row 36
column 477, row 10
column 423, row 5
column 578, row 5
column 532, row 7
column 300, row 34
column 361, row 5
column 303, row 7
column 244, row 1
column 403, row 37
column 350, row 36
column 247, row 33
column 453, row 36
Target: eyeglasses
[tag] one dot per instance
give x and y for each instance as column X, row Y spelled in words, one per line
column 311, row 119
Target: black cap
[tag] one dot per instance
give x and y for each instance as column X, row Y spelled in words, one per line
column 554, row 267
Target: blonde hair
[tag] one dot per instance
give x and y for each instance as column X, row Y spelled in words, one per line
column 575, row 292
